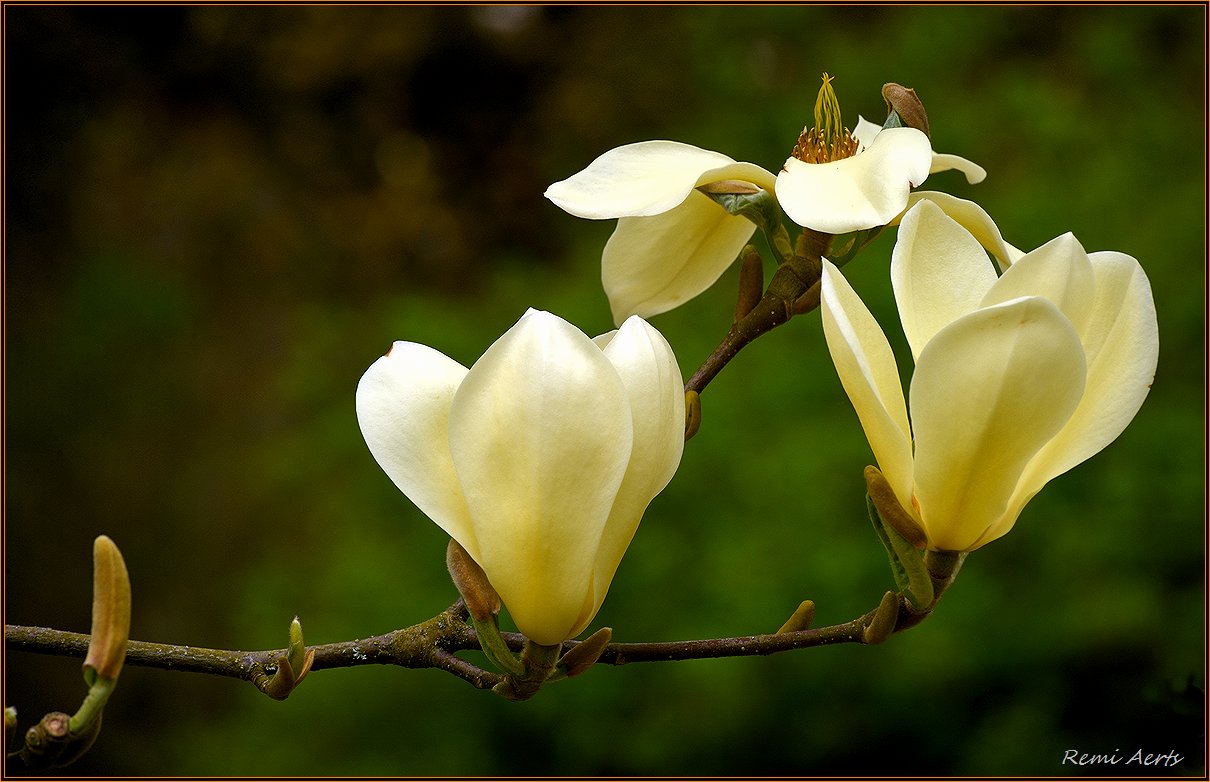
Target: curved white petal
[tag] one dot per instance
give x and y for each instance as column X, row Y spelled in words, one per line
column 403, row 407
column 868, row 372
column 865, row 132
column 540, row 433
column 649, row 371
column 863, row 191
column 1058, row 270
column 939, row 273
column 743, row 172
column 1121, row 344
column 973, row 218
column 645, row 178
column 653, row 264
column 973, row 172
column 990, row 390
column 602, row 340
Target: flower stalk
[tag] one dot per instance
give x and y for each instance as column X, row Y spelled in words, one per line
column 789, row 294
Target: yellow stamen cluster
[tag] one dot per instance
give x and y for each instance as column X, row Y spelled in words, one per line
column 829, row 140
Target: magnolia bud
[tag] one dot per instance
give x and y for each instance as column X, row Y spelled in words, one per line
column 751, row 282
column 882, row 624
column 110, row 612
column 693, row 413
column 801, row 618
column 904, row 102
column 585, row 654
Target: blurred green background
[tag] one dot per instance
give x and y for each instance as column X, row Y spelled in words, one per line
column 218, row 217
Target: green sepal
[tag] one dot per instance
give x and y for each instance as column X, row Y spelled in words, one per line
column 494, row 646
column 762, row 209
column 893, row 120
column 907, row 562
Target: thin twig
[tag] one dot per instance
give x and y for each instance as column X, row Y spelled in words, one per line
column 430, row 644
column 793, row 290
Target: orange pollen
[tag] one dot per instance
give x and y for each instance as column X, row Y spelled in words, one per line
column 812, row 147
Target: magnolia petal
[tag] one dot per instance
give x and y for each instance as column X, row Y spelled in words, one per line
column 540, row 432
column 973, row 172
column 939, row 273
column 1121, row 343
column 649, row 371
column 653, row 264
column 865, row 132
column 744, row 172
column 863, row 191
column 973, row 218
column 988, row 392
column 602, row 340
column 646, row 178
column 403, row 407
column 1059, row 271
column 868, row 372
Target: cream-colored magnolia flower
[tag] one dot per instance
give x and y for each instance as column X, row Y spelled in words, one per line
column 672, row 242
column 1018, row 378
column 859, row 180
column 539, row 460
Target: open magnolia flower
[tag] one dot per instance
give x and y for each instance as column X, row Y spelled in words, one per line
column 539, row 460
column 1017, row 380
column 673, row 242
column 837, row 182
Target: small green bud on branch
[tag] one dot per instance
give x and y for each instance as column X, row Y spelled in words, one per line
column 883, row 622
column 801, row 618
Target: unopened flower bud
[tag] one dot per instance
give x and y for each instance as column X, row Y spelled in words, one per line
column 882, row 624
column 801, row 618
column 110, row 612
column 751, row 282
column 904, row 102
column 693, row 413
column 299, row 656
column 585, row 654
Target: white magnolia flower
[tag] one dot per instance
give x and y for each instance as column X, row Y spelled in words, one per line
column 1017, row 380
column 672, row 242
column 539, row 460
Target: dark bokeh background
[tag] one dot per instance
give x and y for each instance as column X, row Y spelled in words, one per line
column 218, row 217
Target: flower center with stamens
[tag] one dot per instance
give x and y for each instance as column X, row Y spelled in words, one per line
column 828, row 140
